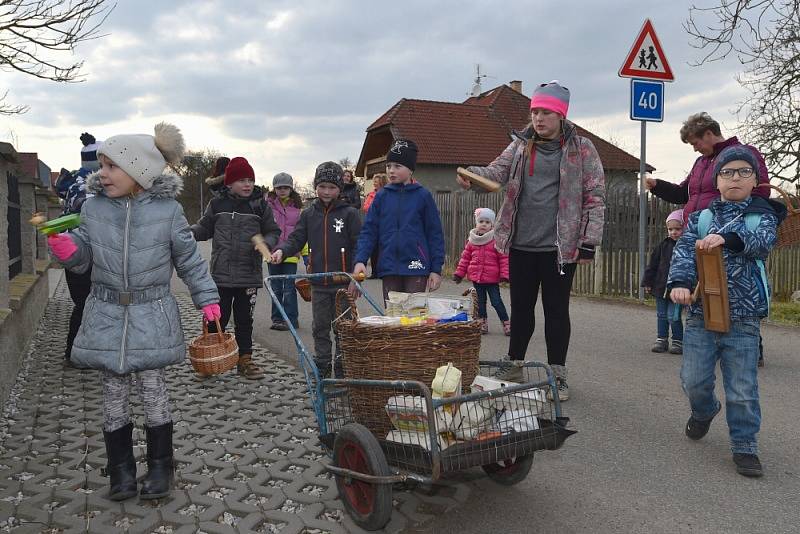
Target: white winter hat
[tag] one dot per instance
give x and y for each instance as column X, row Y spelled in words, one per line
column 485, row 214
column 144, row 157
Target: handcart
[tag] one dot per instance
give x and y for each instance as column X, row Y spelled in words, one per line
column 498, row 429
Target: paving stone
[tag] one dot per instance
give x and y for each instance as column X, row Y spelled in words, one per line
column 247, row 453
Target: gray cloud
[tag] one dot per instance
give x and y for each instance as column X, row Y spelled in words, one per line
column 331, row 68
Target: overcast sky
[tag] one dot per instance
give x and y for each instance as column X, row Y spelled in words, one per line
column 289, row 84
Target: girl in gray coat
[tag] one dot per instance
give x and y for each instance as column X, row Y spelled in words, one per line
column 132, row 234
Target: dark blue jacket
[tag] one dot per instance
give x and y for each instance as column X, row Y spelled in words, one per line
column 747, row 296
column 404, row 224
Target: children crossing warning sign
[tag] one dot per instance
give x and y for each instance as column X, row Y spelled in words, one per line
column 646, row 58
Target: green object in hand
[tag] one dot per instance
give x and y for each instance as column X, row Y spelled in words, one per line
column 62, row 224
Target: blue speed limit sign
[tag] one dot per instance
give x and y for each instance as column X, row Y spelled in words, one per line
column 647, row 100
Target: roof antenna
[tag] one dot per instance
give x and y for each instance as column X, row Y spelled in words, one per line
column 476, row 89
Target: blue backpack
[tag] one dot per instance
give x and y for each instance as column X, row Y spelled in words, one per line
column 751, row 222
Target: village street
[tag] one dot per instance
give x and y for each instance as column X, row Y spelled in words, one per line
column 630, row 468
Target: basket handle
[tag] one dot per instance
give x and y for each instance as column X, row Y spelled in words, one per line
column 351, row 302
column 786, row 197
column 474, row 294
column 219, row 329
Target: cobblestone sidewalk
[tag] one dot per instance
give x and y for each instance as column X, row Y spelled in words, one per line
column 248, row 458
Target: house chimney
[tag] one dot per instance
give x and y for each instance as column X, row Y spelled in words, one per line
column 516, row 85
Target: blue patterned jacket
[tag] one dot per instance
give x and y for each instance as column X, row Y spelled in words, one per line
column 747, row 295
column 72, row 188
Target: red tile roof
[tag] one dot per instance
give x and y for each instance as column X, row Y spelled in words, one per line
column 472, row 132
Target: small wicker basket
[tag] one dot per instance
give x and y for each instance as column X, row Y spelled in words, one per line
column 213, row 353
column 400, row 353
column 303, row 286
column 789, row 230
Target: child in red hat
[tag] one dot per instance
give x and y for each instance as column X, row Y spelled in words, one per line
column 230, row 220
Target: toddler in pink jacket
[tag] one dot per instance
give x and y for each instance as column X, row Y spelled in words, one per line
column 483, row 265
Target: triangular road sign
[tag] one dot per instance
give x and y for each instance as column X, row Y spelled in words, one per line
column 646, row 58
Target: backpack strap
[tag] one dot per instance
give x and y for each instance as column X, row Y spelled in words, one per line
column 703, row 223
column 751, row 221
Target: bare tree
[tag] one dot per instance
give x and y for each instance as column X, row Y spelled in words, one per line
column 346, row 163
column 34, row 32
column 764, row 35
column 196, row 166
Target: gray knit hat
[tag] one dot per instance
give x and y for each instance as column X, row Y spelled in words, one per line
column 144, row 157
column 330, row 172
column 733, row 153
column 282, row 179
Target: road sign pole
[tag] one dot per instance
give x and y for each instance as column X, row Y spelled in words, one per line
column 642, row 208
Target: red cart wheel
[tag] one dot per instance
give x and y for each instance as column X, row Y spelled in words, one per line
column 511, row 471
column 370, row 505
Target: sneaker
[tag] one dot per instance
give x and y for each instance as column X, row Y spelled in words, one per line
column 511, row 372
column 676, row 348
column 507, row 328
column 696, row 429
column 659, row 346
column 562, row 388
column 279, row 325
column 748, row 464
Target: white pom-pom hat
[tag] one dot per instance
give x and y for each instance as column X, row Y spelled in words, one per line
column 144, row 157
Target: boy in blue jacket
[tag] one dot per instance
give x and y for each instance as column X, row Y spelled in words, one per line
column 745, row 227
column 403, row 223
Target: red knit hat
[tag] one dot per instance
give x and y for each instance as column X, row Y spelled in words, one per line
column 238, row 169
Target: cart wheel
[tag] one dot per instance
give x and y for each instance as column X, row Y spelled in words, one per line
column 370, row 505
column 511, row 471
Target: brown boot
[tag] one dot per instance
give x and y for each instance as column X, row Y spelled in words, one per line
column 247, row 368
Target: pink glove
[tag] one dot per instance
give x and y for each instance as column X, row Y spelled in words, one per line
column 62, row 245
column 211, row 312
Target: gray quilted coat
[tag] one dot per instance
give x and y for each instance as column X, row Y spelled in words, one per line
column 131, row 320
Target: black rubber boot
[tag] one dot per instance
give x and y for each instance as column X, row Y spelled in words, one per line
column 121, row 466
column 158, row 481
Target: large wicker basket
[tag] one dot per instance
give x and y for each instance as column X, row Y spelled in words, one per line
column 789, row 230
column 213, row 353
column 400, row 353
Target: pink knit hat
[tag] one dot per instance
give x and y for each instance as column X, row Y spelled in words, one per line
column 552, row 96
column 676, row 215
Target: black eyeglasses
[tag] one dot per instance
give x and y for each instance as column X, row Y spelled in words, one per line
column 728, row 174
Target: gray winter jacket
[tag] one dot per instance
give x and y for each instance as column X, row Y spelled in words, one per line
column 230, row 222
column 131, row 320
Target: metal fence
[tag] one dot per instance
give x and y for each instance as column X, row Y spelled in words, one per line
column 615, row 270
column 14, row 227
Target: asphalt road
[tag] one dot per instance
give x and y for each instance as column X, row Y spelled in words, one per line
column 630, row 468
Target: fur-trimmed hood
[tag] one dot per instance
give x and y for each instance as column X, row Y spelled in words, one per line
column 164, row 186
column 215, row 180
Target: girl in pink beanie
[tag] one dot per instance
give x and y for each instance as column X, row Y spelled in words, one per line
column 485, row 267
column 655, row 281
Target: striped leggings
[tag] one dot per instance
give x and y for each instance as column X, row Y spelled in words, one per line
column 152, row 387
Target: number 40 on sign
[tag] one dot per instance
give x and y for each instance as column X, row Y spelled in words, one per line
column 647, row 100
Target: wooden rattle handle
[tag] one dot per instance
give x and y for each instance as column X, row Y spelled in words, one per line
column 261, row 246
column 478, row 180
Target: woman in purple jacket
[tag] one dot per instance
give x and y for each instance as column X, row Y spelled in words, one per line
column 699, row 189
